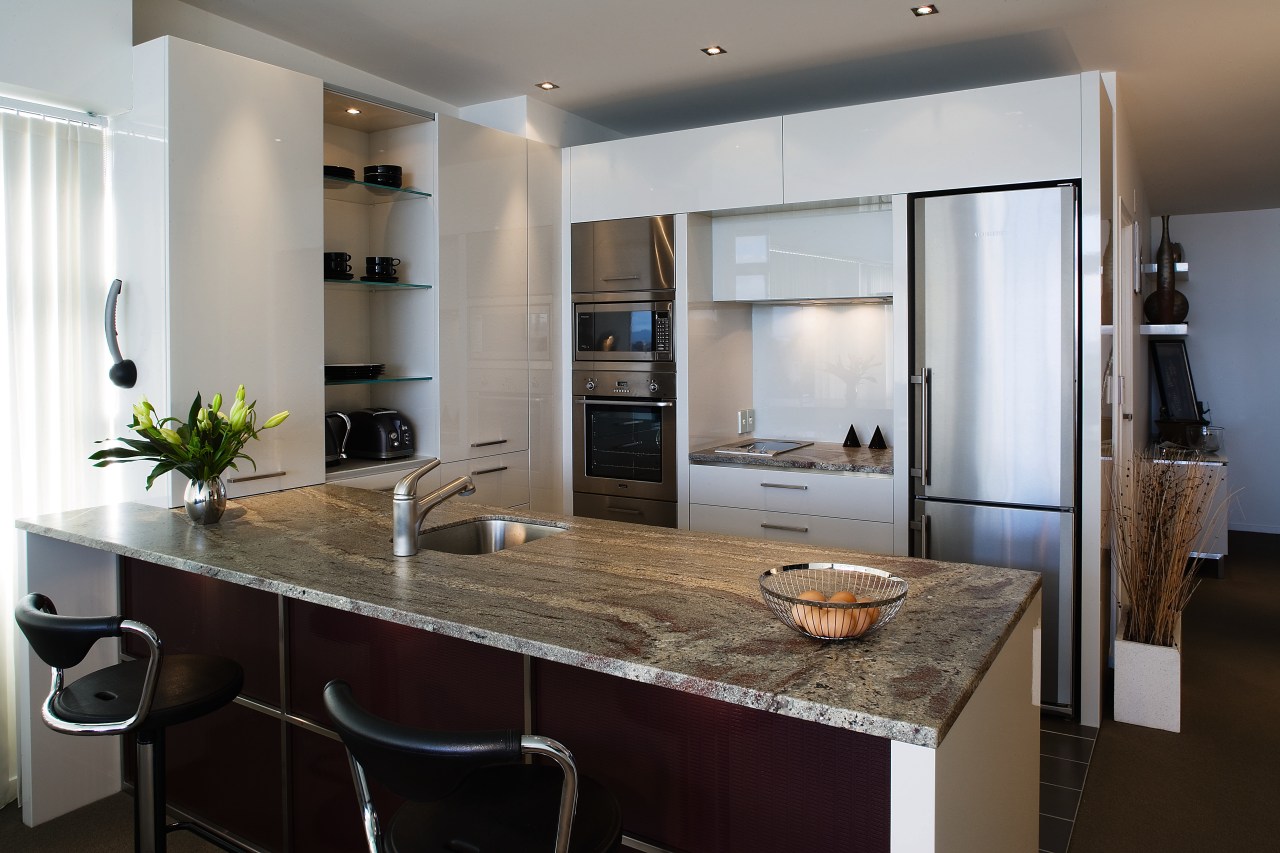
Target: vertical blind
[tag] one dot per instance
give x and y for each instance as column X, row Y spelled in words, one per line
column 54, row 249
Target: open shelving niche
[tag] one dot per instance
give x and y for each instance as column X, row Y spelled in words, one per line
column 390, row 323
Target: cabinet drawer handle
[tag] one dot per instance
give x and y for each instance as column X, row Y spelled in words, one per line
column 785, row 527
column 621, row 511
column 489, row 471
column 620, row 278
column 256, row 477
column 489, row 443
column 784, row 486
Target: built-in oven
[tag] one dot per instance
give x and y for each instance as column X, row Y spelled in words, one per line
column 619, row 329
column 624, row 456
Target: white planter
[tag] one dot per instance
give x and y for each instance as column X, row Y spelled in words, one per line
column 1148, row 690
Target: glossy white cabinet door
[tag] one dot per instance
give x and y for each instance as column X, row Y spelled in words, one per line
column 1007, row 134
column 825, row 253
column 484, row 291
column 706, row 168
column 873, row 537
column 501, row 480
column 236, row 191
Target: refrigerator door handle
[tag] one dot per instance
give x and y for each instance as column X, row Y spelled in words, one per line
column 925, row 381
column 925, row 530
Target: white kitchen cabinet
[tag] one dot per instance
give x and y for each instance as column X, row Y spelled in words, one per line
column 501, row 480
column 848, row 510
column 874, row 537
column 821, row 253
column 1009, row 134
column 219, row 239
column 484, row 292
column 706, row 168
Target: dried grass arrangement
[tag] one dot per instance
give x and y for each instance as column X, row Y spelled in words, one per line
column 1162, row 510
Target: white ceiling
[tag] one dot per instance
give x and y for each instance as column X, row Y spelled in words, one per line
column 1199, row 79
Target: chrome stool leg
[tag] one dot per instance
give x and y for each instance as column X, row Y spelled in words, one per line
column 149, row 813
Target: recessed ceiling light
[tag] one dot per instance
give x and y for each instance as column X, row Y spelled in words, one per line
column 921, row 11
column 714, row 50
column 547, row 85
column 353, row 111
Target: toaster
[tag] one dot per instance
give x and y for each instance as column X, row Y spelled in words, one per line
column 379, row 434
column 337, row 427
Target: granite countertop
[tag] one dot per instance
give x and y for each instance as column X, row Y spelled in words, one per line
column 819, row 456
column 669, row 607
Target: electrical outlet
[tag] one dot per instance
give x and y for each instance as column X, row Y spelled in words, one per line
column 746, row 421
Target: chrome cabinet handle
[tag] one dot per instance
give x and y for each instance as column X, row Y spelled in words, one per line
column 620, row 278
column 489, row 443
column 621, row 511
column 256, row 477
column 785, row 527
column 489, row 471
column 784, row 486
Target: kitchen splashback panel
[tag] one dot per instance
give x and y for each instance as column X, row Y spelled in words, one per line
column 820, row 368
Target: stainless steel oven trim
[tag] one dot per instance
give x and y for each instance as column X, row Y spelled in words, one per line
column 661, row 491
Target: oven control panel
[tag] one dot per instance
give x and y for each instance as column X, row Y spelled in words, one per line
column 617, row 383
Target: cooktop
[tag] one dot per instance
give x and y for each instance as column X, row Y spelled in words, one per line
column 762, row 447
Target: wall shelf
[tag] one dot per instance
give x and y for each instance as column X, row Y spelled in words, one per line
column 379, row 380
column 357, row 284
column 342, row 189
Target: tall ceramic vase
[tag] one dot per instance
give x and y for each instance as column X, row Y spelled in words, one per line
column 205, row 500
column 1166, row 305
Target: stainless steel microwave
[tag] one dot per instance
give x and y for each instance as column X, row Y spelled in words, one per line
column 622, row 331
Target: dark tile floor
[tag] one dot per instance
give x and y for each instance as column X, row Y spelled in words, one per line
column 1065, row 749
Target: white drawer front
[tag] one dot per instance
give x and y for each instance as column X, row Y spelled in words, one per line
column 859, row 496
column 874, row 537
column 501, row 480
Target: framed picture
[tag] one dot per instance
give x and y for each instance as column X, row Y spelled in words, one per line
column 1173, row 378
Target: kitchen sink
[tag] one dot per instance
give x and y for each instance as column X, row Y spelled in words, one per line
column 484, row 535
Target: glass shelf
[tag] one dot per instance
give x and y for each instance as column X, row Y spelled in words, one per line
column 337, row 188
column 379, row 380
column 355, row 283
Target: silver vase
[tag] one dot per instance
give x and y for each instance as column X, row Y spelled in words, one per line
column 206, row 500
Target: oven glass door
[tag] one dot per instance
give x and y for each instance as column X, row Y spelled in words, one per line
column 625, row 447
column 623, row 331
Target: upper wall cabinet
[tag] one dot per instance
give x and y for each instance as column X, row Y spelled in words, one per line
column 218, row 200
column 1016, row 133
column 707, row 168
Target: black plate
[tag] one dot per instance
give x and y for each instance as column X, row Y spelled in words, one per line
column 339, row 276
column 353, row 371
column 384, row 279
column 340, row 172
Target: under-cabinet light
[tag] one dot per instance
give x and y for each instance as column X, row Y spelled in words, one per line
column 714, row 50
column 921, row 11
column 546, row 85
column 353, row 111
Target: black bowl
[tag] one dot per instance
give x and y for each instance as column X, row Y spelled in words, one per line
column 382, row 170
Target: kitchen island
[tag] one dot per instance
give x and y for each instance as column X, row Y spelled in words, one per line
column 648, row 651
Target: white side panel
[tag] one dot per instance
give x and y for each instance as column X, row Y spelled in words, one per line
column 245, row 217
column 706, row 168
column 61, row 773
column 912, row 798
column 988, row 765
column 70, row 53
column 1008, row 134
column 547, row 402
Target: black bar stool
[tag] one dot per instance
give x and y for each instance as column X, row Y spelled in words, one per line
column 469, row 791
column 142, row 696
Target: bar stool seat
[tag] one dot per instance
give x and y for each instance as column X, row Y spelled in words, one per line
column 143, row 696
column 469, row 792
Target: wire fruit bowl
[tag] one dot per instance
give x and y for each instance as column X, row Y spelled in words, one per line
column 865, row 598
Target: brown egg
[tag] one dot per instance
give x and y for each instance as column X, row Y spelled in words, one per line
column 809, row 618
column 842, row 622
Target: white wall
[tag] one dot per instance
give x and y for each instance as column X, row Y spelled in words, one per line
column 1234, row 292
column 68, row 53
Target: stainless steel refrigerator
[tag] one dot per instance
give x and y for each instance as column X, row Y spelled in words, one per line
column 994, row 449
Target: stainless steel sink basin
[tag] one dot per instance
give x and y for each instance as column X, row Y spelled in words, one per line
column 484, row 535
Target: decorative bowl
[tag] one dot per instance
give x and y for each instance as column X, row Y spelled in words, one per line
column 798, row 595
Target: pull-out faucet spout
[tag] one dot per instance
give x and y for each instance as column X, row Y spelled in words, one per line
column 408, row 511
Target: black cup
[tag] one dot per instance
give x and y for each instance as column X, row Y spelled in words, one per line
column 387, row 176
column 335, row 264
column 381, row 265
